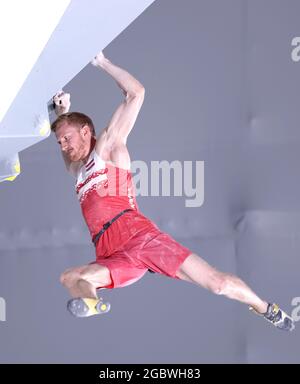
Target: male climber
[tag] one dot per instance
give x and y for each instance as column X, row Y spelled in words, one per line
column 127, row 243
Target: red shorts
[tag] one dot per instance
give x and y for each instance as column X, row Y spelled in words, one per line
column 148, row 249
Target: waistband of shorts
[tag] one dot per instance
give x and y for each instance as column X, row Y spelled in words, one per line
column 107, row 225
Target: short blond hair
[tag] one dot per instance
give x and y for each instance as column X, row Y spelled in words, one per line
column 76, row 118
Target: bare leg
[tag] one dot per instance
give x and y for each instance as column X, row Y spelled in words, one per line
column 196, row 270
column 83, row 281
column 83, row 288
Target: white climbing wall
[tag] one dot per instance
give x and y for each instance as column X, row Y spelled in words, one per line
column 45, row 44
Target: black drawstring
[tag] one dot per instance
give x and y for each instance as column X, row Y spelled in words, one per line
column 107, row 225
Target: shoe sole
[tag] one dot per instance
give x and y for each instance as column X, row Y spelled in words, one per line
column 78, row 308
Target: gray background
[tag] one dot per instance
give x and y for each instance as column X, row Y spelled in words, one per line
column 220, row 87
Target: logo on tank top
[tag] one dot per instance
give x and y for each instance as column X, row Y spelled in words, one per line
column 90, row 165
